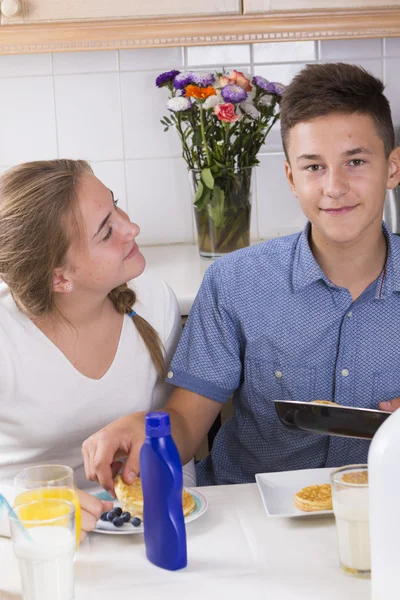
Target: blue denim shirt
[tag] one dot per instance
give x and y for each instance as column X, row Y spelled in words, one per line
column 267, row 324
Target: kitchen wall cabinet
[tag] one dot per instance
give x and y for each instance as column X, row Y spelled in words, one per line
column 41, row 11
column 72, row 25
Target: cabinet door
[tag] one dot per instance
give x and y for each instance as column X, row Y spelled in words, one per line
column 37, row 11
column 267, row 6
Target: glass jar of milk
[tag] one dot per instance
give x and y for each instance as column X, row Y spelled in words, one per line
column 351, row 509
column 45, row 548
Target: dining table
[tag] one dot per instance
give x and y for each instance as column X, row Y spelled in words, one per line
column 235, row 550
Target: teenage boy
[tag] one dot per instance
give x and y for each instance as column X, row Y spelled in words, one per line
column 314, row 315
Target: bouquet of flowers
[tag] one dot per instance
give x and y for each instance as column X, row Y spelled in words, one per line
column 222, row 120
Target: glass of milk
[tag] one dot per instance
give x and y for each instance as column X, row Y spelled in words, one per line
column 350, row 506
column 46, row 560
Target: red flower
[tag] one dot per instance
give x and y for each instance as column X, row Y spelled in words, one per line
column 226, row 112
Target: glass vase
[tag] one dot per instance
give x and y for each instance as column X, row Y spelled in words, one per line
column 222, row 209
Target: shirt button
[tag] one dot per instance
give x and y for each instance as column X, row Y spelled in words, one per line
column 345, row 372
column 170, row 374
column 278, row 374
column 350, row 314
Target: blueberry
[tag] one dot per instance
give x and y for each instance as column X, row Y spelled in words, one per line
column 126, row 517
column 111, row 515
column 104, row 516
column 118, row 521
column 117, row 510
column 136, row 521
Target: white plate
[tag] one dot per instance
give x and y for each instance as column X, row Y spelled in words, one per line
column 278, row 489
column 128, row 528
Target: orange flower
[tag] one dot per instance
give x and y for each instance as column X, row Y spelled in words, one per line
column 194, row 91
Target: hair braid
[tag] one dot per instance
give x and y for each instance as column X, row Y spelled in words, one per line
column 123, row 298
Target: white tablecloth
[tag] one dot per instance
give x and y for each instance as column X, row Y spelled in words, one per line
column 234, row 551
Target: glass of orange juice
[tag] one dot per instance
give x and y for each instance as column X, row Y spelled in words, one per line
column 42, row 482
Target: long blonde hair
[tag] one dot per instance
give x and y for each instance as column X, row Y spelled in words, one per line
column 39, row 216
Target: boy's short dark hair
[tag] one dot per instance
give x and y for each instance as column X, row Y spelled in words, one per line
column 320, row 90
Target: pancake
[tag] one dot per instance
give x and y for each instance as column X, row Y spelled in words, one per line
column 324, row 402
column 314, row 498
column 131, row 497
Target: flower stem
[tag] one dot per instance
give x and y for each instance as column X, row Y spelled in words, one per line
column 203, row 136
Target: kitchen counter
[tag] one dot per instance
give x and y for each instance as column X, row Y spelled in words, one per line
column 181, row 267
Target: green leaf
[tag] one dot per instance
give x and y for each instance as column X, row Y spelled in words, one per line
column 216, row 208
column 204, row 199
column 199, row 192
column 207, row 177
column 197, row 138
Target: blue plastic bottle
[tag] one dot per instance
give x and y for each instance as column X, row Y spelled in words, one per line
column 162, row 481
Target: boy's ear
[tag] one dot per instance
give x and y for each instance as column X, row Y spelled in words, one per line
column 394, row 169
column 289, row 176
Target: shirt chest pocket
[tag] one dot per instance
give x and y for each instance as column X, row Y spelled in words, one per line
column 386, row 385
column 275, row 381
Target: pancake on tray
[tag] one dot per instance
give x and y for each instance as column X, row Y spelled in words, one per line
column 314, row 498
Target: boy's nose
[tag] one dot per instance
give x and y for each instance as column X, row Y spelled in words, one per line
column 335, row 185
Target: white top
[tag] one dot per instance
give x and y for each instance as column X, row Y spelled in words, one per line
column 48, row 408
column 235, row 551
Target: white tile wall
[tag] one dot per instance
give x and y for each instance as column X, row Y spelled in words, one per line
column 89, row 123
column 279, row 52
column 105, row 107
column 237, row 54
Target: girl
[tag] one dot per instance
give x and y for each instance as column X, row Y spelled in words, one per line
column 80, row 345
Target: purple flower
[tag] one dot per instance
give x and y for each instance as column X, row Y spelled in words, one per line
column 261, row 82
column 203, row 79
column 183, row 79
column 276, row 88
column 165, row 78
column 272, row 87
column 233, row 93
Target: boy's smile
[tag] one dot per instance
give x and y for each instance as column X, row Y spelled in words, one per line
column 339, row 172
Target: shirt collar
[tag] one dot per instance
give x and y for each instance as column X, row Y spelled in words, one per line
column 306, row 270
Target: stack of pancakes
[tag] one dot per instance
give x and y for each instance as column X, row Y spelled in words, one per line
column 131, row 497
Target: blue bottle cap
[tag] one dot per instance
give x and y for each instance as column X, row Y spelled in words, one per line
column 158, row 424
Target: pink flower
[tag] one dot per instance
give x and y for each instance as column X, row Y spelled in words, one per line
column 226, row 112
column 236, row 78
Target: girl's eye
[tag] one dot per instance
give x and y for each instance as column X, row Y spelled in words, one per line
column 108, row 234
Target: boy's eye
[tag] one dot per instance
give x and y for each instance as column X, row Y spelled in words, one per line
column 108, row 234
column 313, row 168
column 357, row 162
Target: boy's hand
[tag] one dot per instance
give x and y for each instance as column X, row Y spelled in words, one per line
column 390, row 405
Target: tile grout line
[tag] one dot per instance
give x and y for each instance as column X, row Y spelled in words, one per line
column 121, row 112
column 53, row 81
